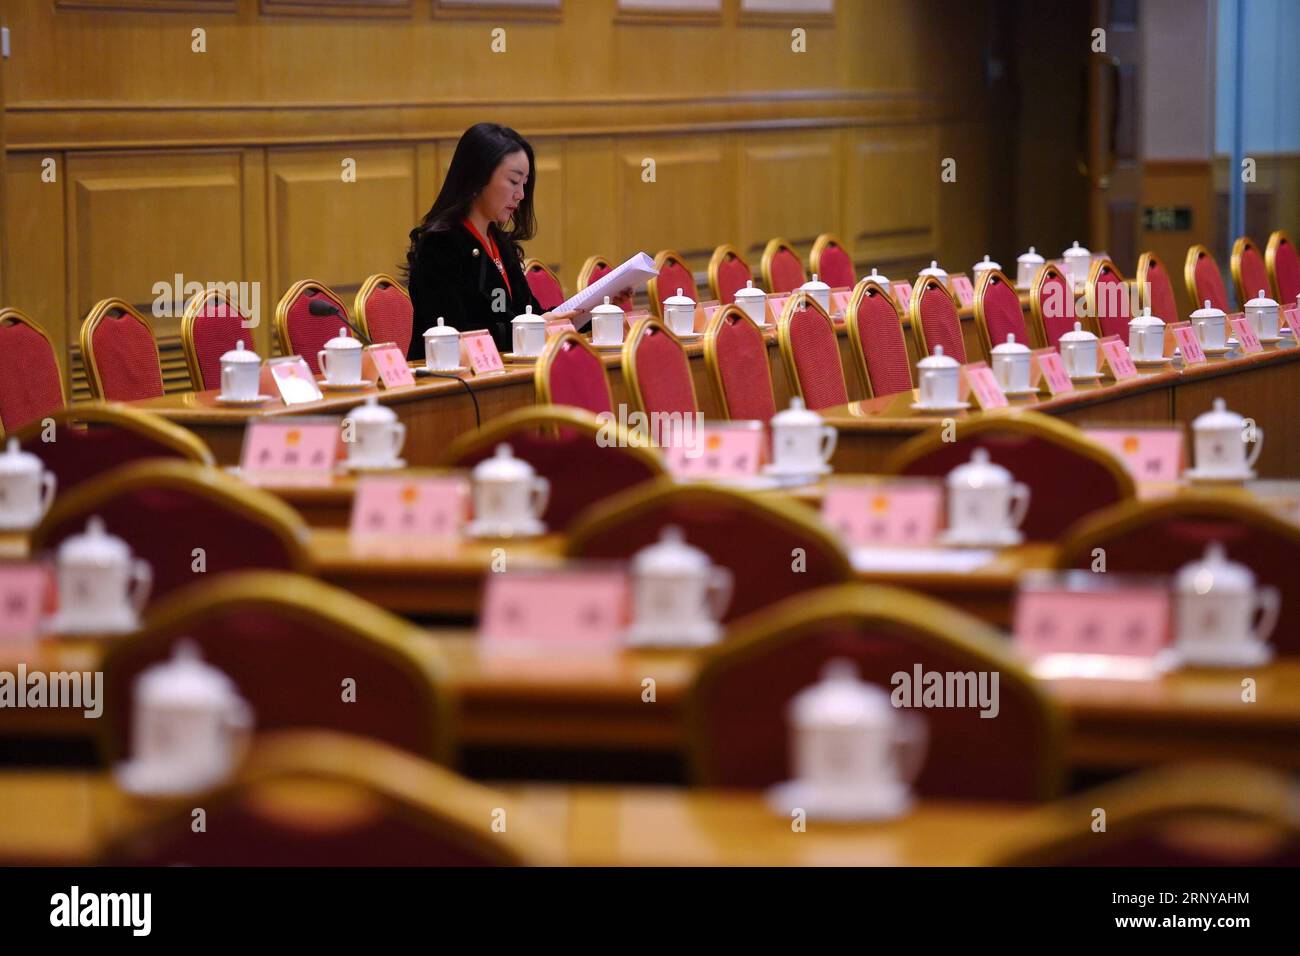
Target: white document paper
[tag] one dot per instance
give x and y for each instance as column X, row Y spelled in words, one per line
column 635, row 272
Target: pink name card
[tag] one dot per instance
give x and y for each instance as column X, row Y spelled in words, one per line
column 293, row 379
column 556, row 327
column 1121, row 622
column 479, row 352
column 775, row 306
column 1116, row 355
column 715, row 451
column 1187, row 341
column 1245, row 332
column 840, row 301
column 704, row 312
column 423, row 507
column 961, row 285
column 290, row 446
column 26, row 593
column 1048, row 365
column 1292, row 317
column 902, row 293
column 1151, row 454
column 387, row 362
column 576, row 608
column 890, row 514
column 983, row 384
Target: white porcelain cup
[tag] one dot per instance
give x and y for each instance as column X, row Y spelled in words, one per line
column 1211, row 328
column 89, row 594
column 1263, row 314
column 1080, row 358
column 1012, row 370
column 26, row 488
column 988, row 510
column 512, row 502
column 376, row 442
column 938, row 386
column 441, row 348
column 1224, row 451
column 240, row 380
column 796, row 446
column 1227, row 618
column 340, row 364
column 528, row 334
column 686, row 601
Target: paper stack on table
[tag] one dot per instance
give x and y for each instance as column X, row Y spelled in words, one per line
column 635, row 272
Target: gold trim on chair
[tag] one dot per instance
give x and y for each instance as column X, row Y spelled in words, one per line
column 720, row 256
column 820, row 245
column 927, row 621
column 1194, row 255
column 192, row 309
column 86, row 338
column 1145, row 262
column 652, row 286
column 545, row 362
column 924, row 284
column 367, row 289
column 987, row 278
column 286, row 302
column 786, row 343
column 712, row 361
column 591, row 265
column 870, row 287
column 1090, row 292
column 1045, row 272
column 649, row 326
column 769, row 253
column 181, row 440
column 22, row 318
column 1275, row 241
column 1239, row 249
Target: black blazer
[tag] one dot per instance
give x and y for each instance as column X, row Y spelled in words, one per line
column 454, row 277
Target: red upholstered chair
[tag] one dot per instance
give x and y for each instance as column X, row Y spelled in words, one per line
column 810, row 350
column 166, row 509
column 728, row 271
column 31, row 385
column 1204, row 280
column 1201, row 814
column 754, row 537
column 544, row 283
column 782, row 269
column 288, row 642
column 120, row 353
column 737, row 708
column 305, row 798
column 998, row 313
column 586, row 460
column 736, row 355
column 935, row 320
column 210, row 327
column 571, row 372
column 594, row 268
column 1249, row 271
column 1051, row 305
column 656, row 369
column 1283, row 268
column 876, row 333
column 297, row 330
column 673, row 275
column 831, row 262
column 1159, row 537
column 1107, row 297
column 1156, row 289
column 95, row 438
column 1068, row 474
column 384, row 312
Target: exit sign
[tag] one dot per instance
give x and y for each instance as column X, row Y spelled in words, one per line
column 1166, row 219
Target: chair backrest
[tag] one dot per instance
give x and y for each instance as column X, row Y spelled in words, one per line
column 1204, row 280
column 31, row 384
column 586, row 460
column 673, row 274
column 210, row 327
column 571, row 372
column 545, row 284
column 297, row 330
column 120, row 353
column 754, row 537
column 1283, row 268
column 313, row 798
column 728, row 271
column 384, row 311
column 1051, row 304
column 1068, row 474
column 1156, row 289
column 593, row 269
column 810, row 349
column 781, row 267
column 94, row 438
column 831, row 262
column 736, row 355
column 657, row 371
column 1249, row 271
column 288, row 642
column 1159, row 537
column 876, row 333
column 1107, row 297
column 935, row 320
column 998, row 313
column 165, row 510
column 737, row 709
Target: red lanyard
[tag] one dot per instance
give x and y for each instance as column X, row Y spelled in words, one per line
column 491, row 248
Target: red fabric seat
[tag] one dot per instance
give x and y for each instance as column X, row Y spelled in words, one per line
column 811, row 351
column 31, row 385
column 831, row 263
column 998, row 312
column 570, row 372
column 782, row 270
column 544, row 284
column 211, row 326
column 384, row 312
column 1204, row 281
column 1052, row 304
column 658, row 372
column 935, row 320
column 1284, row 266
column 1109, row 297
column 727, row 273
column 121, row 356
column 300, row 332
column 878, row 343
column 737, row 355
column 1249, row 273
column 1156, row 288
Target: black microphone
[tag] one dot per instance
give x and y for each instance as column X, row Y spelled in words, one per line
column 322, row 308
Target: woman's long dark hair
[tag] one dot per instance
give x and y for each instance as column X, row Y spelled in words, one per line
column 481, row 149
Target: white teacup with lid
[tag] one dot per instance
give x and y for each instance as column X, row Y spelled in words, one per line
column 932, row 270
column 1078, row 262
column 1146, row 337
column 986, row 506
column 190, row 728
column 753, row 301
column 527, row 334
column 853, row 754
column 102, row 586
column 374, row 437
column 241, row 373
column 938, row 380
column 26, row 488
column 1078, row 350
column 1027, row 266
column 442, row 348
column 1211, row 327
column 1223, row 617
column 340, row 360
column 1012, row 366
column 819, row 290
column 678, row 594
column 679, row 314
column 509, row 497
column 606, row 325
column 1262, row 312
column 984, row 265
column 802, row 442
column 1220, row 437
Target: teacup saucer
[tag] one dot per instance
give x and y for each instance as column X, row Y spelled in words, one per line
column 392, row 464
column 959, row 406
column 1271, row 340
column 845, row 805
column 20, row 524
column 1196, row 474
column 776, row 470
column 647, row 634
column 255, row 400
column 510, row 358
column 1152, row 363
column 58, row 623
column 1020, row 392
column 1219, row 351
column 153, row 778
column 527, row 528
column 1085, row 379
column 1003, row 538
column 345, row 386
column 1241, row 653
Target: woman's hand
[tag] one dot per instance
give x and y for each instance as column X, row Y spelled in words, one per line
column 566, row 315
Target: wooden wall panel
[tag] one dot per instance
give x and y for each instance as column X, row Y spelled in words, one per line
column 34, row 254
column 786, row 186
column 687, row 206
column 891, row 176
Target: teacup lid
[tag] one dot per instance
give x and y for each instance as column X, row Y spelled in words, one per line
column 880, row 280
column 679, row 299
column 96, row 546
column 186, row 680
column 985, row 264
column 1010, row 346
column 527, row 318
column 241, row 355
column 670, row 555
column 606, row 308
column 815, row 284
column 1262, row 301
column 749, row 290
column 440, row 330
column 933, row 270
column 372, row 411
column 15, row 461
column 1078, row 335
column 343, row 341
column 503, row 466
column 1030, row 258
column 980, row 472
column 841, row 699
column 796, row 414
column 1208, row 311
column 1214, row 573
column 1076, row 251
column 1219, row 417
column 938, row 360
column 1146, row 319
